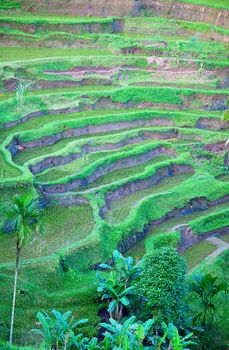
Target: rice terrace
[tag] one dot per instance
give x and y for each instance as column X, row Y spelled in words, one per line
column 114, row 174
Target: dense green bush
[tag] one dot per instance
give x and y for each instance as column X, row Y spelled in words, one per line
column 162, row 283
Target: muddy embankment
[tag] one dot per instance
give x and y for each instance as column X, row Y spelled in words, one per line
column 105, row 8
column 188, row 238
column 102, row 103
column 88, row 130
column 113, row 26
column 11, row 84
column 212, row 123
column 61, row 200
column 54, row 161
column 194, row 205
column 141, row 184
column 106, row 168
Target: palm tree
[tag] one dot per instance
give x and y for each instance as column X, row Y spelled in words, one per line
column 22, row 216
column 206, row 289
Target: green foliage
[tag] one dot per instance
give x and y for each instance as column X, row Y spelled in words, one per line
column 210, row 222
column 162, row 283
column 165, row 240
column 21, row 92
column 59, row 332
column 117, row 287
column 23, row 216
column 208, row 303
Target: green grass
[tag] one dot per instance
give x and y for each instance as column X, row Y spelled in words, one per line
column 210, row 222
column 8, row 53
column 32, row 19
column 63, row 226
column 220, row 4
column 6, row 170
column 197, row 253
column 121, row 208
column 146, row 245
column 123, row 173
column 225, row 237
column 73, row 167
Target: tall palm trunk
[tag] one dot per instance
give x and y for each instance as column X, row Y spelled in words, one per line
column 15, row 289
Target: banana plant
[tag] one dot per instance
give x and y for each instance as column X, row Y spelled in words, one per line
column 116, row 286
column 21, row 92
column 116, row 293
column 127, row 336
column 171, row 340
column 59, row 332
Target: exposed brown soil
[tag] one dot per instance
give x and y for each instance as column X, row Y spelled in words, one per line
column 50, row 162
column 94, row 129
column 212, row 123
column 134, row 186
column 184, row 11
column 188, row 238
column 11, row 84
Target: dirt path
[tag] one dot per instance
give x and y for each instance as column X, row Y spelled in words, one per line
column 221, row 246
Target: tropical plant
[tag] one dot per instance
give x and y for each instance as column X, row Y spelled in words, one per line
column 162, row 285
column 21, row 92
column 59, row 333
column 128, row 335
column 174, row 340
column 116, row 286
column 206, row 290
column 21, row 217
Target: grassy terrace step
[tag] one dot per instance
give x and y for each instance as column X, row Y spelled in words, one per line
column 124, row 173
column 183, row 98
column 86, row 159
column 120, row 159
column 198, row 252
column 73, row 224
column 196, row 186
column 104, row 237
column 164, row 26
column 121, row 208
column 62, row 146
column 128, row 43
column 147, row 244
column 210, row 222
column 44, row 60
column 145, row 118
column 72, row 24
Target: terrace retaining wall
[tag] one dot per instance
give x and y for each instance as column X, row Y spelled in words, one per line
column 131, row 187
column 195, row 204
column 101, row 170
column 54, row 161
column 104, row 8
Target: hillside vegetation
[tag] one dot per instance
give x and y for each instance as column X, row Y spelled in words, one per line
column 117, row 118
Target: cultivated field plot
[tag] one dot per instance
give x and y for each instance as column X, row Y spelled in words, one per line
column 121, row 126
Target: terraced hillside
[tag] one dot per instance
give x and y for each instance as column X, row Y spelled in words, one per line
column 122, row 130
